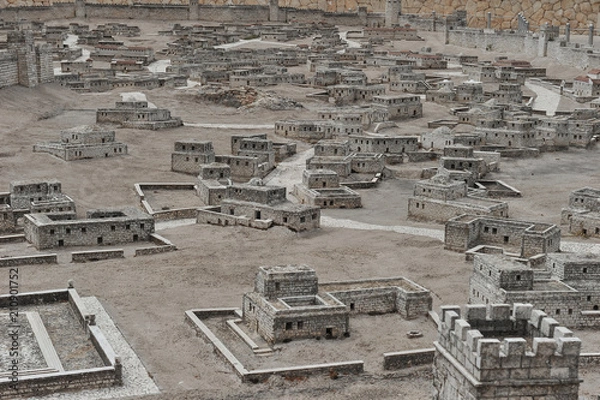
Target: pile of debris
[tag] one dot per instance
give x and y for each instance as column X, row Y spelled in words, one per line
column 244, row 97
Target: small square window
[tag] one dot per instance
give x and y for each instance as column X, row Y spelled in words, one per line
column 288, row 326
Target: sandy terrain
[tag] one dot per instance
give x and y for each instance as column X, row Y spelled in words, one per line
column 214, row 266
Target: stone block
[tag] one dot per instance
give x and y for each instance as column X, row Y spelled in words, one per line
column 569, row 346
column 561, row 331
column 444, row 310
column 461, row 327
column 536, row 318
column 547, row 326
column 522, row 311
column 544, row 346
column 475, row 312
column 473, row 337
column 499, row 312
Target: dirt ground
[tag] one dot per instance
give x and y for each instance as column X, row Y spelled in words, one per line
column 214, row 266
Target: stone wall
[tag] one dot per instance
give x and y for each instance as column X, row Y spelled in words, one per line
column 538, row 12
column 25, row 260
column 96, row 255
column 8, row 70
column 407, row 359
column 441, row 211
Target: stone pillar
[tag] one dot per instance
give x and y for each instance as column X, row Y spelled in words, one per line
column 591, row 36
column 446, row 32
column 80, row 9
column 193, row 12
column 488, row 21
column 392, row 10
column 274, row 10
column 568, row 32
column 433, row 17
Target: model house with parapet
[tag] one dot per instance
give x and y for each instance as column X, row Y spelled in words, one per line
column 40, row 197
column 566, row 286
column 321, row 188
column 253, row 204
column 101, row 227
column 253, row 156
column 289, row 303
column 84, row 142
column 33, row 196
column 314, row 130
column 134, row 111
column 583, row 213
column 442, row 197
column 337, row 156
column 484, row 352
column 465, row 158
column 521, row 239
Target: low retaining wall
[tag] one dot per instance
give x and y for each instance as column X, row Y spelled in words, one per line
column 589, row 359
column 163, row 245
column 12, row 238
column 205, row 216
column 255, row 376
column 96, row 255
column 176, row 213
column 407, row 359
column 25, row 260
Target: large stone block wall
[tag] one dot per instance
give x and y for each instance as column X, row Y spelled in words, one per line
column 8, row 70
column 407, row 359
column 538, row 12
column 441, row 211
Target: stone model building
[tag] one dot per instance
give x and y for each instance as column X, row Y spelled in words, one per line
column 525, row 239
column 441, row 198
column 23, row 62
column 321, row 188
column 83, row 142
column 40, row 197
column 101, row 227
column 504, row 351
column 566, row 287
column 289, row 303
column 253, row 156
column 134, row 112
column 583, row 213
column 338, row 156
column 254, row 204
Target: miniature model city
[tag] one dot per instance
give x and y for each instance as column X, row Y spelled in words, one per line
column 293, row 200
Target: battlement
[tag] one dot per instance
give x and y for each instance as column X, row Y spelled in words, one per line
column 500, row 342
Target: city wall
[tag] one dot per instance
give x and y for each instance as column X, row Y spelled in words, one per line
column 580, row 14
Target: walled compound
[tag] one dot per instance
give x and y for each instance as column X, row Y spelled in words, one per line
column 444, row 196
column 68, row 353
column 82, row 142
column 519, row 238
column 582, row 214
column 321, row 187
column 253, row 156
column 101, row 227
column 134, row 111
column 288, row 303
column 565, row 287
column 495, row 351
column 254, row 204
